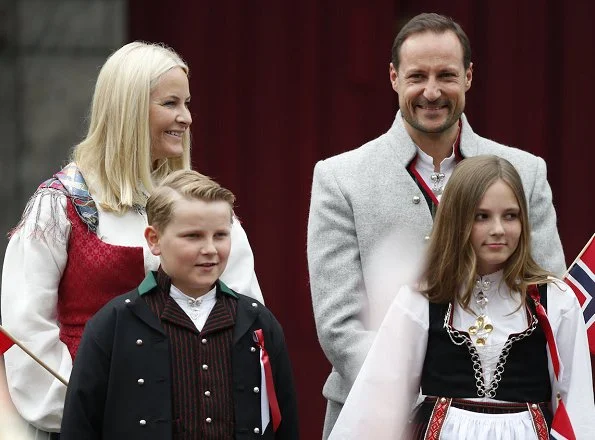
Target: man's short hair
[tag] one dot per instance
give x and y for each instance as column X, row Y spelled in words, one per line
column 430, row 22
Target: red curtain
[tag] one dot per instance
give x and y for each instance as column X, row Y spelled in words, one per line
column 277, row 86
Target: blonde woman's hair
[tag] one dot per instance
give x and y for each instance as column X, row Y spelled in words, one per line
column 184, row 184
column 451, row 266
column 116, row 153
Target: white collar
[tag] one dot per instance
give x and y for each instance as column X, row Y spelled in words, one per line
column 426, row 162
column 489, row 281
column 177, row 294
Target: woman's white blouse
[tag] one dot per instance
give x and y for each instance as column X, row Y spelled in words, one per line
column 31, row 274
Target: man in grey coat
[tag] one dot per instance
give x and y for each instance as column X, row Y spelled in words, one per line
column 372, row 208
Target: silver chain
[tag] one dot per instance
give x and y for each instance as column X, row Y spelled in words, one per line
column 464, row 339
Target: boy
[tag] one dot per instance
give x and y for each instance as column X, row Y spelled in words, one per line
column 183, row 356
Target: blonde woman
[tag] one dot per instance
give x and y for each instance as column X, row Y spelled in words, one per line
column 472, row 336
column 80, row 241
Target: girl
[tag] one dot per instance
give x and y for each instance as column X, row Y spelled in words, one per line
column 471, row 336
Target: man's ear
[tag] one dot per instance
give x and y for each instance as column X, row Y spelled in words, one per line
column 152, row 237
column 394, row 77
column 468, row 77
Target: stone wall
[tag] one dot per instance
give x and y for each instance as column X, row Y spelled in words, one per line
column 50, row 54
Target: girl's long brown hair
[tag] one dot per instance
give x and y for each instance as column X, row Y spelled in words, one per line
column 451, row 265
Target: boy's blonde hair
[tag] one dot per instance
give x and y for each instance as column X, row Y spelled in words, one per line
column 116, row 154
column 451, row 261
column 183, row 184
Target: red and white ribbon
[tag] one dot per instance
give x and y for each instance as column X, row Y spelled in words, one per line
column 269, row 383
column 561, row 425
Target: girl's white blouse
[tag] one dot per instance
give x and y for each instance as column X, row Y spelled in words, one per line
column 388, row 385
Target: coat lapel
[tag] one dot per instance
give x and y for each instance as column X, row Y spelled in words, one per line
column 403, row 145
column 221, row 317
column 247, row 313
column 139, row 307
column 469, row 146
column 405, row 148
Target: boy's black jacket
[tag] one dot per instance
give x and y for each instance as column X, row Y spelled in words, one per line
column 104, row 400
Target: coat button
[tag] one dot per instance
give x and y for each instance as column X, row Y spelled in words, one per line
column 256, row 390
column 252, row 349
column 203, row 341
column 208, row 393
column 254, row 305
column 142, row 422
column 205, row 367
column 139, row 342
column 140, row 381
column 208, row 420
column 256, row 431
column 127, row 301
column 416, row 200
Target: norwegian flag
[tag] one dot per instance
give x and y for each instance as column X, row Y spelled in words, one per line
column 581, row 279
column 561, row 426
column 5, row 342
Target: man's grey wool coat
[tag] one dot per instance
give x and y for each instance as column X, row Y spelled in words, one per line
column 361, row 197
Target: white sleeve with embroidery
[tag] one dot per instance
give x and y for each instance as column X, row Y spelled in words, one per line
column 239, row 274
column 33, row 265
column 381, row 399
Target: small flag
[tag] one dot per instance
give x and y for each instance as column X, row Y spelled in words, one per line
column 561, row 426
column 581, row 279
column 5, row 342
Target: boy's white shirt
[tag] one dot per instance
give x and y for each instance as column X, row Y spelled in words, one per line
column 30, row 278
column 197, row 309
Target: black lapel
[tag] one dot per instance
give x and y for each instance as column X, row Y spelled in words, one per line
column 140, row 308
column 248, row 311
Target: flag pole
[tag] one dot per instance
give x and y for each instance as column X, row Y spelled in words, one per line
column 580, row 254
column 35, row 358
